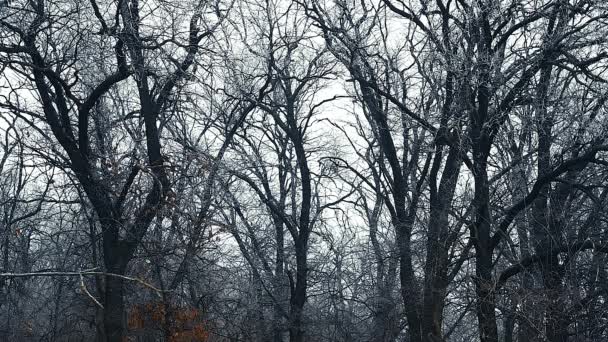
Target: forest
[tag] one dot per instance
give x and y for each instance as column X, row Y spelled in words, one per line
column 304, row 170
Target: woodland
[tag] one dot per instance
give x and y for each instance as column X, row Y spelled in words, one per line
column 304, row 170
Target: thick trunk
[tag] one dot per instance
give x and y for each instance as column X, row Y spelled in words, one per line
column 114, row 321
column 296, row 331
column 296, row 328
column 434, row 293
column 100, row 331
column 115, row 260
column 486, row 301
column 409, row 287
column 484, row 282
column 436, row 266
column 434, row 297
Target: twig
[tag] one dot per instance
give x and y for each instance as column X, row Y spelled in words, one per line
column 84, row 288
column 80, row 274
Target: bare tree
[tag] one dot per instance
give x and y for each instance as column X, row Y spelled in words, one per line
column 313, row 170
column 68, row 101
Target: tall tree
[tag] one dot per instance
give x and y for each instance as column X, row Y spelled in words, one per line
column 51, row 41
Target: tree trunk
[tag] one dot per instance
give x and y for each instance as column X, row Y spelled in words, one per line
column 114, row 320
column 279, row 288
column 384, row 327
column 556, row 322
column 115, row 261
column 296, row 330
column 527, row 319
column 436, row 266
column 486, row 301
column 409, row 290
column 484, row 284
